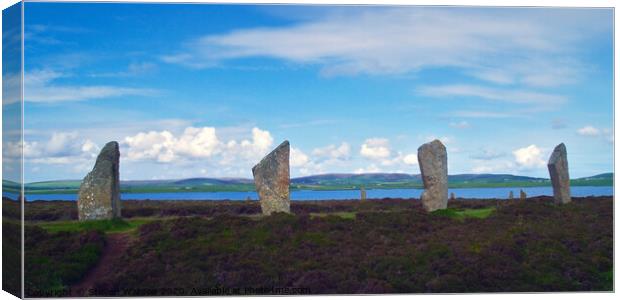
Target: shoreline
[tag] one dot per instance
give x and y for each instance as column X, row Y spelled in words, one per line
column 293, row 189
column 307, row 195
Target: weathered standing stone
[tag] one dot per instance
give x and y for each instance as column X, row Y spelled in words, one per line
column 558, row 171
column 362, row 193
column 452, row 197
column 433, row 161
column 511, row 195
column 272, row 180
column 99, row 196
column 522, row 195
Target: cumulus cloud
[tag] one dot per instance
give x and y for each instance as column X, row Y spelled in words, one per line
column 320, row 159
column 196, row 143
column 333, row 152
column 60, row 148
column 201, row 142
column 492, row 161
column 529, row 157
column 151, row 145
column 378, row 151
column 298, row 158
column 410, row 159
column 375, row 148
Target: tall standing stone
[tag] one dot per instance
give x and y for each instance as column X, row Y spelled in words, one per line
column 99, row 196
column 558, row 171
column 511, row 195
column 272, row 180
column 362, row 193
column 433, row 161
column 452, row 197
column 522, row 195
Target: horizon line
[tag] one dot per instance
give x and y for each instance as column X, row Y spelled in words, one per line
column 314, row 175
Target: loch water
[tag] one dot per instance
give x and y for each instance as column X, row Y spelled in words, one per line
column 301, row 195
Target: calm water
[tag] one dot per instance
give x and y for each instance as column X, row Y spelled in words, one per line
column 481, row 193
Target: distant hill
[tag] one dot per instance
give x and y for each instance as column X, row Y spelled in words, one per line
column 315, row 182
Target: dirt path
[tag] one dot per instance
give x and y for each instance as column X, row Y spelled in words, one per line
column 117, row 244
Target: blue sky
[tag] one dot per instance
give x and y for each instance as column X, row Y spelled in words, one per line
column 11, row 108
column 207, row 90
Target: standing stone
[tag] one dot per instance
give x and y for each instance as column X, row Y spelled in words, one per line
column 433, row 161
column 272, row 180
column 362, row 193
column 522, row 195
column 511, row 195
column 99, row 196
column 558, row 171
column 452, row 197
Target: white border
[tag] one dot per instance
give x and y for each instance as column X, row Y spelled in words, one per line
column 502, row 3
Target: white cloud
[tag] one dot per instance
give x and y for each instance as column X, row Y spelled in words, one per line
column 589, row 131
column 517, row 46
column 39, row 86
column 61, row 143
column 529, row 157
column 379, row 152
column 605, row 134
column 153, row 145
column 59, row 148
column 334, row 152
column 298, row 158
column 375, row 148
column 411, row 159
column 321, row 159
column 400, row 161
column 197, row 143
column 526, row 159
column 90, row 147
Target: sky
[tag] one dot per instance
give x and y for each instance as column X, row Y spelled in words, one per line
column 11, row 108
column 207, row 90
